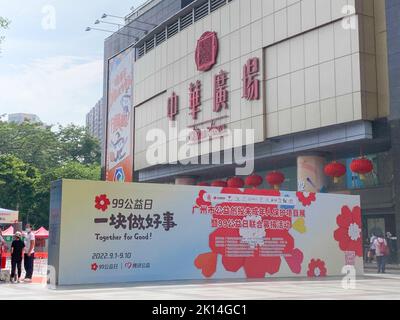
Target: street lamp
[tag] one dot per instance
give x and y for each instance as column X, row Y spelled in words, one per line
column 119, row 25
column 117, row 17
column 110, row 31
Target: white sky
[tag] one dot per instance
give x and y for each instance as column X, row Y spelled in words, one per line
column 56, row 73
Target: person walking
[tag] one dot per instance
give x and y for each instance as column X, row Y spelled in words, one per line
column 381, row 252
column 29, row 255
column 17, row 253
column 372, row 249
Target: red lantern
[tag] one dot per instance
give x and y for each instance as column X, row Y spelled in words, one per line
column 335, row 170
column 203, row 184
column 362, row 166
column 275, row 179
column 254, row 181
column 235, row 183
column 219, row 184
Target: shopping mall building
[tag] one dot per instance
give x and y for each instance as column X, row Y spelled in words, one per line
column 317, row 80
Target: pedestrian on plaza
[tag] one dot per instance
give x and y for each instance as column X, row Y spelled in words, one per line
column 17, row 254
column 29, row 255
column 372, row 249
column 381, row 252
column 388, row 239
column 2, row 246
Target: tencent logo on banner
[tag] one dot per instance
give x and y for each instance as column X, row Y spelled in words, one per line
column 119, row 175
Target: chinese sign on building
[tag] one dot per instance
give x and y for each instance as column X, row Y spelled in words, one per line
column 104, row 232
column 206, row 55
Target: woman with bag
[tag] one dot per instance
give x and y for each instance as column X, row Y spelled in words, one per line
column 381, row 252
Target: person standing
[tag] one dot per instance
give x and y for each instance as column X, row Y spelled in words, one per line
column 17, row 253
column 391, row 245
column 2, row 242
column 2, row 247
column 29, row 255
column 381, row 252
column 372, row 249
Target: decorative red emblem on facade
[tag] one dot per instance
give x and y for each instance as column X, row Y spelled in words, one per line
column 251, row 85
column 206, row 51
column 173, row 104
column 195, row 99
column 220, row 91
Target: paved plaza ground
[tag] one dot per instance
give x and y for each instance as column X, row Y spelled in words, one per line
column 370, row 286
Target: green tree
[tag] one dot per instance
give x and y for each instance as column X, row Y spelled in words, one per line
column 75, row 170
column 47, row 149
column 67, row 153
column 20, row 182
column 76, row 144
column 70, row 170
column 32, row 143
column 4, row 23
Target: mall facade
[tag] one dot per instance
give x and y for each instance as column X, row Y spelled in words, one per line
column 317, row 81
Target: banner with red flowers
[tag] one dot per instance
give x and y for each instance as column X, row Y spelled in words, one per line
column 103, row 232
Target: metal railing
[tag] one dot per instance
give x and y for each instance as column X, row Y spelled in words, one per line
column 182, row 22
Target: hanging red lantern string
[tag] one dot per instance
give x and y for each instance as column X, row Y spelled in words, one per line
column 335, row 170
column 235, row 182
column 275, row 179
column 203, row 184
column 254, row 181
column 362, row 166
column 219, row 184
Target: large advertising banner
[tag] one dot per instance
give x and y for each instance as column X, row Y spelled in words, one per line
column 109, row 233
column 119, row 146
column 8, row 216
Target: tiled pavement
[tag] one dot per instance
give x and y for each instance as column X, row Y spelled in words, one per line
column 368, row 287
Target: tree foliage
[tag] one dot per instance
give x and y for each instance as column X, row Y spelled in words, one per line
column 19, row 184
column 75, row 170
column 76, row 144
column 4, row 23
column 32, row 156
column 31, row 143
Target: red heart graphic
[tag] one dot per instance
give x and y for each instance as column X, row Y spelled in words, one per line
column 295, row 260
column 207, row 263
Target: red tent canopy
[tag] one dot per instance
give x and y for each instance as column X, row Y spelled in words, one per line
column 41, row 233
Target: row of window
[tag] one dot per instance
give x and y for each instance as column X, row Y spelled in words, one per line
column 181, row 23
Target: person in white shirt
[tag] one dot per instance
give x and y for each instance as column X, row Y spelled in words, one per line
column 29, row 255
column 372, row 248
column 382, row 251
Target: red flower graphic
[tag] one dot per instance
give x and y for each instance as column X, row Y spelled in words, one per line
column 306, row 200
column 94, row 267
column 102, row 202
column 316, row 269
column 256, row 259
column 349, row 232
